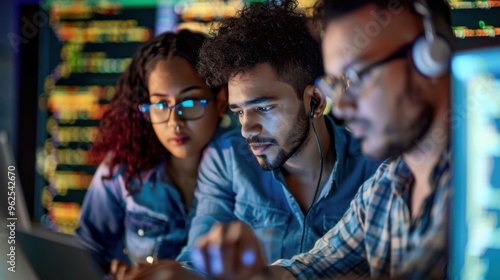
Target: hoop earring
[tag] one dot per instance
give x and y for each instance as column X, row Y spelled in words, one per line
column 225, row 121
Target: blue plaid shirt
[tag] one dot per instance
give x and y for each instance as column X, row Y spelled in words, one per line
column 376, row 237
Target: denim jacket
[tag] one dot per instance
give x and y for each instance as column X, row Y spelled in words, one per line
column 148, row 223
column 232, row 186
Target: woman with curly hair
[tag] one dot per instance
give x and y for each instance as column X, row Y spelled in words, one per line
column 150, row 142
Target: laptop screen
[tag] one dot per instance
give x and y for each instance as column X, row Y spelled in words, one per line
column 475, row 230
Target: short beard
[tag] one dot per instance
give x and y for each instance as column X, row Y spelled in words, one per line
column 297, row 138
column 422, row 123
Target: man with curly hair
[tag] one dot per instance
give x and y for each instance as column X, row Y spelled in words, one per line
column 294, row 172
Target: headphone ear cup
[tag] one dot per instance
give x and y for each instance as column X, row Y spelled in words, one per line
column 431, row 58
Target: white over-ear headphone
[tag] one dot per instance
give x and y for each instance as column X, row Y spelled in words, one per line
column 431, row 52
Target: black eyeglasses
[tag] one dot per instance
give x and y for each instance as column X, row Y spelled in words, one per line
column 350, row 81
column 188, row 110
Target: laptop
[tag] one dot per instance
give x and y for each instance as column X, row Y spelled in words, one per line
column 475, row 228
column 32, row 251
column 57, row 256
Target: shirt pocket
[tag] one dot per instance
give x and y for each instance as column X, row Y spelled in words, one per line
column 269, row 224
column 147, row 236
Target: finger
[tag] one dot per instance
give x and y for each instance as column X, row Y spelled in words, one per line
column 132, row 272
column 248, row 257
column 246, row 260
column 121, row 271
column 215, row 259
column 216, row 237
column 241, row 237
column 250, row 254
column 201, row 247
column 210, row 247
column 147, row 271
column 113, row 266
column 164, row 270
column 230, row 249
column 198, row 260
column 201, row 250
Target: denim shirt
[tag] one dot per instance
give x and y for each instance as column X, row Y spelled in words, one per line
column 232, row 186
column 149, row 223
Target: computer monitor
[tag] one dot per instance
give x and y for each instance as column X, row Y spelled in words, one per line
column 475, row 227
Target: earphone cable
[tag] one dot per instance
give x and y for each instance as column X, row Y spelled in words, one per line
column 317, row 186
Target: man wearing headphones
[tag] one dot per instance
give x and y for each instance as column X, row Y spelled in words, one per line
column 392, row 89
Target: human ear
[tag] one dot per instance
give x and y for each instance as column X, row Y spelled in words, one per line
column 313, row 93
column 221, row 101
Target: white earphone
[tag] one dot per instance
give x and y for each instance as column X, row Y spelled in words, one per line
column 431, row 53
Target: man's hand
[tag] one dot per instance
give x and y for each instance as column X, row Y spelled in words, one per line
column 165, row 270
column 230, row 251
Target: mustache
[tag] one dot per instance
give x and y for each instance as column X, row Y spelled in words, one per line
column 256, row 139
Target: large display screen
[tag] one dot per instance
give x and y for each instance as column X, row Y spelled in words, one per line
column 476, row 151
column 85, row 47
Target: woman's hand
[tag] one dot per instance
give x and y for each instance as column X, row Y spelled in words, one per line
column 120, row 270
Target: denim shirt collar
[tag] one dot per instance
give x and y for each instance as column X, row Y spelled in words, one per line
column 158, row 173
column 151, row 176
column 401, row 177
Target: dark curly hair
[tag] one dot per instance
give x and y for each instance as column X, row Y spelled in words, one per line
column 274, row 32
column 123, row 131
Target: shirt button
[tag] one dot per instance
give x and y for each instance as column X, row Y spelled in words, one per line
column 151, row 185
column 140, row 232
